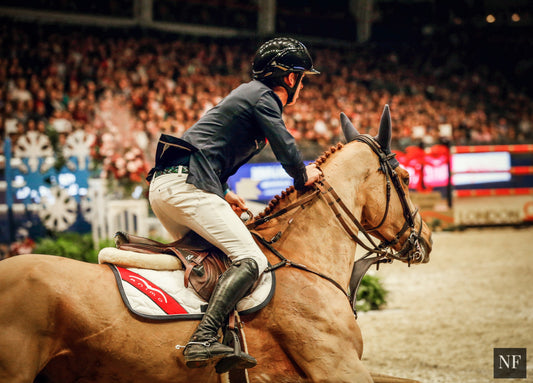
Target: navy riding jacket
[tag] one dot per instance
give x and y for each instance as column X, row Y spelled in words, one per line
column 229, row 135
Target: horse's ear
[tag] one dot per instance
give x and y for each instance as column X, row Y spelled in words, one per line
column 347, row 128
column 384, row 136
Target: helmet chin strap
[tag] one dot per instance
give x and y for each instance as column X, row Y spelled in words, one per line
column 291, row 91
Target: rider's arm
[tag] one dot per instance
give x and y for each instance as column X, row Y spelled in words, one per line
column 268, row 115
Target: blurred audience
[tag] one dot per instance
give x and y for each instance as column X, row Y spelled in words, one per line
column 127, row 88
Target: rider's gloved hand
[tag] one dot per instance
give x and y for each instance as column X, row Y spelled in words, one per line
column 313, row 174
column 237, row 203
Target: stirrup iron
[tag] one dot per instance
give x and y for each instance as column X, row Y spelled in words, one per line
column 239, row 359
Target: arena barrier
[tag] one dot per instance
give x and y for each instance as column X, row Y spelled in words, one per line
column 472, row 185
column 501, row 188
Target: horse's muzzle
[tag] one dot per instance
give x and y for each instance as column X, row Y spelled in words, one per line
column 425, row 248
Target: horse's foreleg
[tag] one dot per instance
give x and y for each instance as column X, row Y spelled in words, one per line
column 323, row 339
column 380, row 378
column 331, row 356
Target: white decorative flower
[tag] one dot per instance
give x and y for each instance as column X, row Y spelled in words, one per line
column 131, row 167
column 129, row 155
column 33, row 146
column 120, row 163
column 86, row 207
column 78, row 144
column 58, row 210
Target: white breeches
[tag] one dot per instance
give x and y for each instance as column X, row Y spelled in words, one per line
column 181, row 207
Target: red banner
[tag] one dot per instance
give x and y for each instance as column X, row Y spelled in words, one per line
column 427, row 168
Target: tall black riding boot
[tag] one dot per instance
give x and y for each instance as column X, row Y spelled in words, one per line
column 203, row 347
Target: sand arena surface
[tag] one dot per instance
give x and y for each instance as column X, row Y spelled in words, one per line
column 444, row 318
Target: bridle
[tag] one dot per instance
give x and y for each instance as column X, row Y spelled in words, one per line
column 383, row 252
column 411, row 250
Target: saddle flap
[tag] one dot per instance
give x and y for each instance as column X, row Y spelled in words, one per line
column 202, row 268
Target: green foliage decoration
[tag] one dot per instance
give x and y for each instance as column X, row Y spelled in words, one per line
column 71, row 245
column 371, row 294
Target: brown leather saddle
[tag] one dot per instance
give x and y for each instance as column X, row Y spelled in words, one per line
column 203, row 263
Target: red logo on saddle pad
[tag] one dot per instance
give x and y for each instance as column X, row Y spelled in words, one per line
column 157, row 295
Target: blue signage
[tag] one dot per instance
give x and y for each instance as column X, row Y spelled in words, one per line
column 260, row 181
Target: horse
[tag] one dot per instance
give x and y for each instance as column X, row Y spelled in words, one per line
column 63, row 320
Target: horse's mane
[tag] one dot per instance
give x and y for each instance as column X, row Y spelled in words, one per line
column 290, row 191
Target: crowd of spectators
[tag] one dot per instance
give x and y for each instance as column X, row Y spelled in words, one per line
column 127, row 87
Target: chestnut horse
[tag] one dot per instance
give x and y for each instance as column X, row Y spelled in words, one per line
column 63, row 320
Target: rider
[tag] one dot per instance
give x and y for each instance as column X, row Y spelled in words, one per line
column 188, row 189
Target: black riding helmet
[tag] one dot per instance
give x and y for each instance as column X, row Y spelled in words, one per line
column 278, row 57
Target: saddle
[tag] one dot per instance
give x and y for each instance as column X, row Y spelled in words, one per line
column 203, row 263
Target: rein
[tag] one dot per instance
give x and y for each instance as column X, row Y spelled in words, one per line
column 383, row 254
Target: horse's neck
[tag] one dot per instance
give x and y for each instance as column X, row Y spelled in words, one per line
column 313, row 235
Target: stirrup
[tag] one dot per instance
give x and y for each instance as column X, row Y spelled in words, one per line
column 239, row 360
column 205, row 353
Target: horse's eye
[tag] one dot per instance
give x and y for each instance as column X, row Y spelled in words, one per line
column 406, row 180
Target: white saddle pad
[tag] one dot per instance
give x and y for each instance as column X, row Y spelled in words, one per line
column 162, row 295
